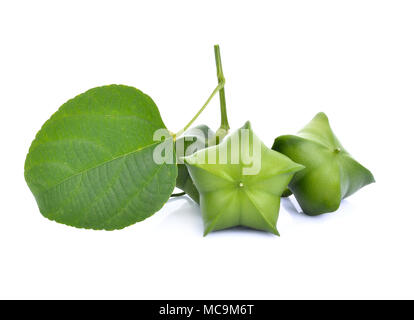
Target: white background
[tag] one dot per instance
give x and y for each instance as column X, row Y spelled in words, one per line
column 284, row 61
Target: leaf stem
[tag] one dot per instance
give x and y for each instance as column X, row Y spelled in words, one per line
column 223, row 110
column 177, row 194
column 224, row 126
column 217, row 89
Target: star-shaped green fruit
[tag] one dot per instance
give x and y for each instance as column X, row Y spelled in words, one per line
column 331, row 174
column 240, row 182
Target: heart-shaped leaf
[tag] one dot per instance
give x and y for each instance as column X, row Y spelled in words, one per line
column 91, row 165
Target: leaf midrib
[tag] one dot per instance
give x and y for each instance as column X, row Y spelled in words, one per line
column 97, row 166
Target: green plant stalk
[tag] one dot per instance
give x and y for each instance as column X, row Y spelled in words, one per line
column 217, row 89
column 177, row 194
column 224, row 125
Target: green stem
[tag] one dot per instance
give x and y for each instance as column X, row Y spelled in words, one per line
column 224, row 120
column 224, row 127
column 217, row 89
column 177, row 194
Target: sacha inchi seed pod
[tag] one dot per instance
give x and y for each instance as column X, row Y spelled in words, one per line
column 330, row 173
column 237, row 192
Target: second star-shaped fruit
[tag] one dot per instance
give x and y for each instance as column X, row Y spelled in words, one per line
column 331, row 173
column 240, row 182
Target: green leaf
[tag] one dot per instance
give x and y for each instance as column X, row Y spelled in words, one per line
column 194, row 139
column 331, row 173
column 91, row 165
column 244, row 183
